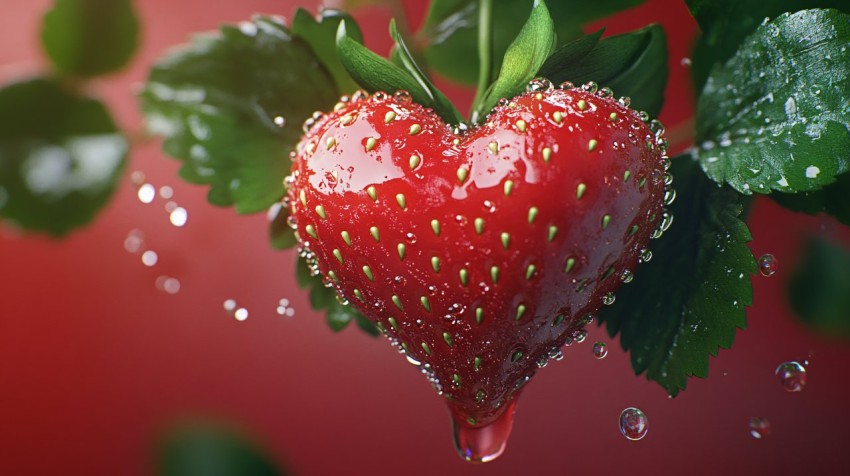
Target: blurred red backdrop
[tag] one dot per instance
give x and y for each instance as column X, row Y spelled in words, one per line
column 95, row 360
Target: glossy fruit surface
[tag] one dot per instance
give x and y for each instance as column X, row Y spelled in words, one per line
column 479, row 253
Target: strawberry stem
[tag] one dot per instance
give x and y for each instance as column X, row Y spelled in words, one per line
column 485, row 49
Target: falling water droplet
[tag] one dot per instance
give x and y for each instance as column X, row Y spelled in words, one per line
column 149, row 258
column 633, row 423
column 146, row 193
column 178, row 216
column 240, row 314
column 135, row 241
column 279, row 121
column 480, row 444
column 792, row 376
column 759, row 427
column 600, row 350
column 768, row 264
column 168, row 284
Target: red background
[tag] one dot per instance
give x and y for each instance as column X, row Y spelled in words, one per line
column 95, row 361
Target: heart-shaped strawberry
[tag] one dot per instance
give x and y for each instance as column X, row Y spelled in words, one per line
column 479, row 253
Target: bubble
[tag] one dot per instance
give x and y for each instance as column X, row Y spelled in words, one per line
column 168, row 284
column 146, row 193
column 792, row 376
column 241, row 314
column 633, row 423
column 600, row 350
column 149, row 258
column 759, row 427
column 178, row 216
column 135, row 241
column 768, row 264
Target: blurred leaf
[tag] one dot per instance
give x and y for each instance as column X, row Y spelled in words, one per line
column 834, row 199
column 320, row 34
column 281, row 235
column 523, row 58
column 375, row 73
column 450, row 30
column 632, row 64
column 776, row 115
column 90, row 37
column 725, row 24
column 216, row 101
column 689, row 300
column 60, row 156
column 208, row 450
column 819, row 289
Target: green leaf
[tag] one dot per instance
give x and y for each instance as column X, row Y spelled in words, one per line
column 776, row 115
column 632, row 64
column 320, row 34
column 819, row 289
column 325, row 299
column 834, row 199
column 450, row 30
column 205, row 449
column 281, row 235
column 60, row 156
column 375, row 73
column 216, row 101
column 725, row 24
column 689, row 299
column 90, row 37
column 522, row 60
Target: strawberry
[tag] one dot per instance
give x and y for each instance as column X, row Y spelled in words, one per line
column 479, row 252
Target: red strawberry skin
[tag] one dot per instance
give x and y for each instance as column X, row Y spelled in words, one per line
column 479, row 254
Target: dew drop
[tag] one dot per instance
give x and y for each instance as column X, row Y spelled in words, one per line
column 627, row 276
column 792, row 376
column 402, row 97
column 768, row 264
column 538, row 85
column 590, row 87
column 581, row 336
column 411, row 238
column 608, row 298
column 178, row 216
column 146, row 193
column 633, row 424
column 600, row 350
column 567, row 85
column 149, row 258
column 759, row 427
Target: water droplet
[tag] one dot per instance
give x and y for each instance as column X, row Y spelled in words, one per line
column 166, row 192
column 137, row 178
column 538, row 85
column 627, row 276
column 402, row 97
column 411, row 238
column 279, row 121
column 633, row 424
column 768, row 264
column 240, row 314
column 581, row 336
column 685, row 62
column 170, row 206
column 481, row 444
column 792, row 376
column 605, row 93
column 168, row 284
column 135, row 241
column 590, row 87
column 178, row 216
column 759, row 427
column 608, row 298
column 600, row 350
column 645, row 256
column 567, row 85
column 146, row 193
column 230, row 305
column 461, row 220
column 149, row 258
